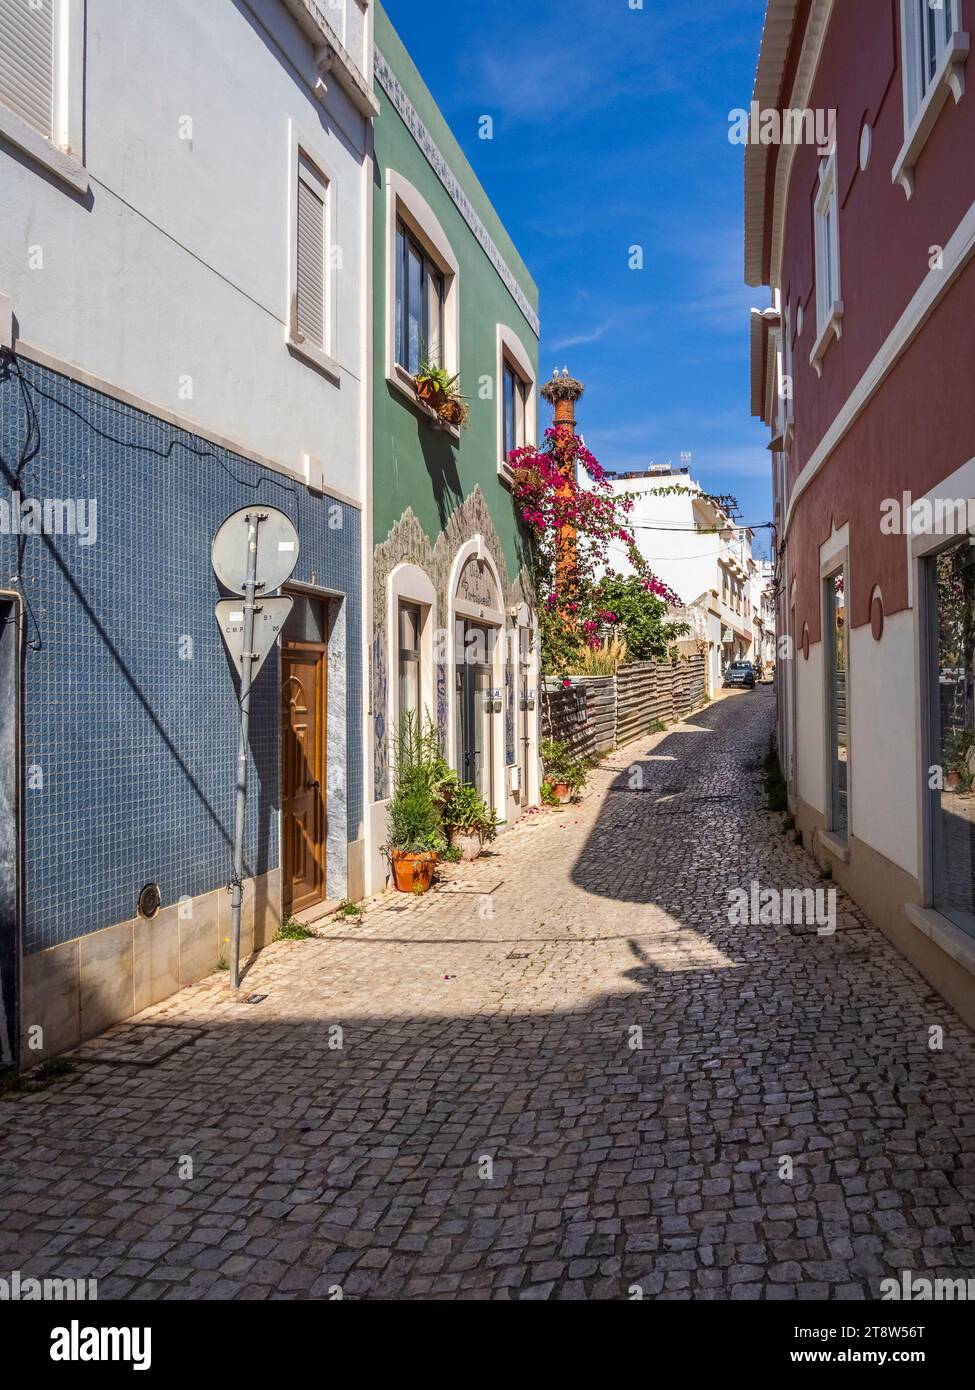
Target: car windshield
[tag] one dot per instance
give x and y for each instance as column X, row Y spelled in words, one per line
column 740, row 666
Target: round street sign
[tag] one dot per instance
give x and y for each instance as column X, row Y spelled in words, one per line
column 277, row 549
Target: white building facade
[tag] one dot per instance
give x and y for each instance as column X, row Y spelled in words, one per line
column 695, row 547
column 185, row 295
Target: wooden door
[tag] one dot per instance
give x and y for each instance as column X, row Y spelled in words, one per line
column 303, row 705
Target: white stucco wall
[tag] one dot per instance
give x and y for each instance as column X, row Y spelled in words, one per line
column 176, row 263
column 685, row 561
column 809, row 719
column 883, row 770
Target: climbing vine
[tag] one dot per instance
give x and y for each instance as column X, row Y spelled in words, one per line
column 575, row 519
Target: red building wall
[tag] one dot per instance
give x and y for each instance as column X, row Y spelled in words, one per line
column 915, row 429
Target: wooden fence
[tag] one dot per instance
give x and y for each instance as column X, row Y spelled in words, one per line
column 599, row 713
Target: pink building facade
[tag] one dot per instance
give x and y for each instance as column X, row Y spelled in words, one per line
column 863, row 367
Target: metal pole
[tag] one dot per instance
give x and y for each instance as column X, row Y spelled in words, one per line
column 247, row 659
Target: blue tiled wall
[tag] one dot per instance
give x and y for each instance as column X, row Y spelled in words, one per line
column 136, row 746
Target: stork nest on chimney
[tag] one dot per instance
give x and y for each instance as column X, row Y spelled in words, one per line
column 562, row 388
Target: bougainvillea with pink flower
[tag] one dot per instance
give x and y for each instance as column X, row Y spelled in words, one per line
column 575, row 526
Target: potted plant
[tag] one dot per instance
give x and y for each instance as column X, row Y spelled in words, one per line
column 454, row 411
column 434, row 385
column 469, row 821
column 415, row 823
column 959, row 749
column 565, row 776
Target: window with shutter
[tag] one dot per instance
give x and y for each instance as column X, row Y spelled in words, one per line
column 27, row 62
column 311, row 257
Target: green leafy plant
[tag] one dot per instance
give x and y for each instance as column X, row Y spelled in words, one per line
column 423, row 782
column 437, row 377
column 561, row 767
column 349, row 909
column 956, row 755
column 466, row 812
column 438, row 389
column 640, row 616
column 290, row 930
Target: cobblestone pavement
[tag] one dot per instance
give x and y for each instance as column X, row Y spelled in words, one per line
column 486, row 1128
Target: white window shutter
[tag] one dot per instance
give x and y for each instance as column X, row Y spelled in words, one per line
column 27, row 62
column 311, row 260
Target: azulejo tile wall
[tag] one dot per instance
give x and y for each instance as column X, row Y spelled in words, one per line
column 130, row 710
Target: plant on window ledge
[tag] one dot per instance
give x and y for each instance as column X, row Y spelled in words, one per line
column 454, row 411
column 434, row 384
column 437, row 389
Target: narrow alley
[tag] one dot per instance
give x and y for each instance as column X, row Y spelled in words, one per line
column 565, row 1074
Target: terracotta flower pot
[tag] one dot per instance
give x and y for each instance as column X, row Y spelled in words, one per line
column 430, row 394
column 562, row 791
column 413, row 873
column 469, row 845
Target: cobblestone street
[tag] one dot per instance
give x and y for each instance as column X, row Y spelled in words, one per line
column 487, row 1127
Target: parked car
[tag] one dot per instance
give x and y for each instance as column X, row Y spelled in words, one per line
column 739, row 673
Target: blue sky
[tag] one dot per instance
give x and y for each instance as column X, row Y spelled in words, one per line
column 611, row 130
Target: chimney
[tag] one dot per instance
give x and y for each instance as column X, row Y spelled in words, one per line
column 562, row 392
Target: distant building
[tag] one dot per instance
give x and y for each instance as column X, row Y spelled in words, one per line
column 696, row 547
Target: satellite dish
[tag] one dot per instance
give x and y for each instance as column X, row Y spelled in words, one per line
column 277, row 549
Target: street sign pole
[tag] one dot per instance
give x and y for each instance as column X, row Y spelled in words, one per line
column 256, row 548
column 254, row 520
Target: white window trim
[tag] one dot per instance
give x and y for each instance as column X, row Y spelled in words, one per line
column 512, row 350
column 331, row 56
column 524, row 617
column 829, row 316
column 406, row 203
column 410, row 584
column 949, row 78
column 325, row 360
column 63, row 155
column 487, row 617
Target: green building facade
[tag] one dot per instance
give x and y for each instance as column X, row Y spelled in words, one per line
column 453, row 621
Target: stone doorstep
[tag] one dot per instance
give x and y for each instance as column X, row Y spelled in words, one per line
column 317, row 912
